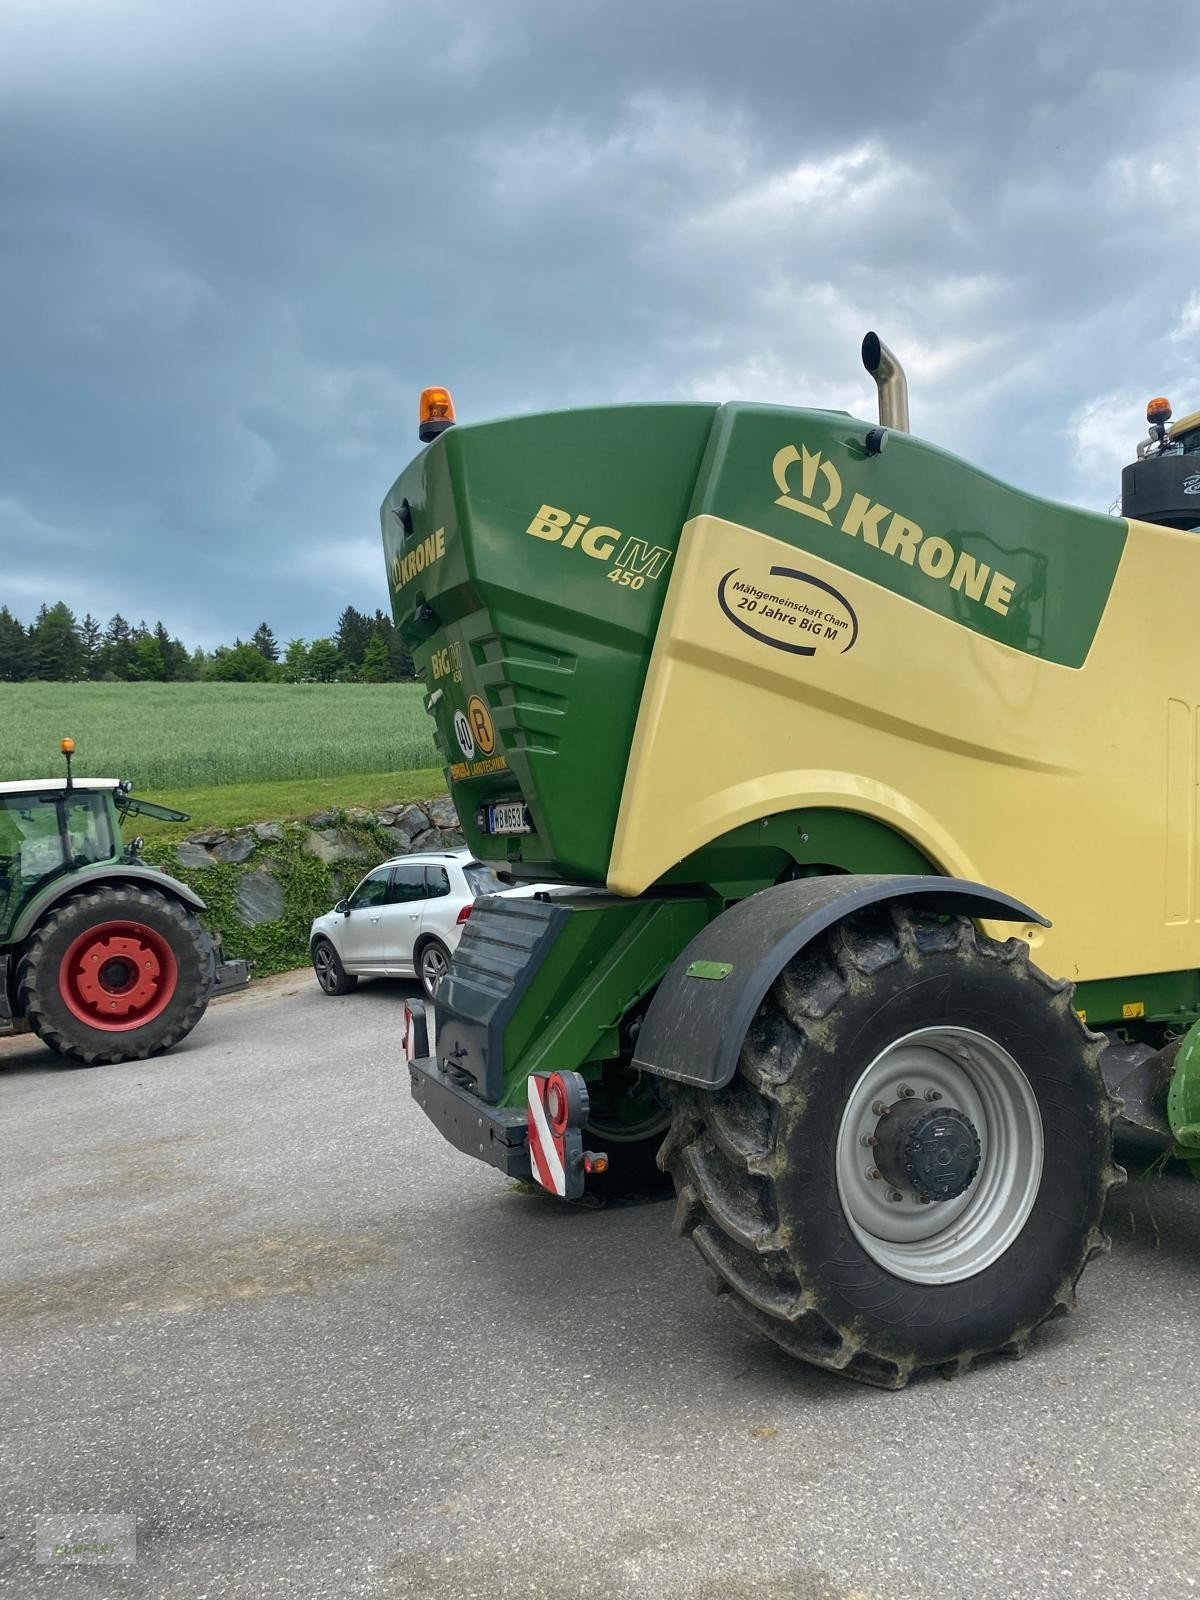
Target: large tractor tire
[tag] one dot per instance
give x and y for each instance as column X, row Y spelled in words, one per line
column 909, row 1168
column 116, row 974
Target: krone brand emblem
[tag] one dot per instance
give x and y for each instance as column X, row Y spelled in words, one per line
column 789, row 610
column 872, row 523
column 405, row 568
column 811, row 462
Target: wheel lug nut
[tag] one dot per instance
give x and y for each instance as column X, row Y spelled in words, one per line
column 869, row 1140
column 905, row 1093
column 924, row 1199
column 880, row 1110
column 873, row 1173
column 895, row 1196
column 933, row 1094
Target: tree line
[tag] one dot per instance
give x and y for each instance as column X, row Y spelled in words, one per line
column 57, row 648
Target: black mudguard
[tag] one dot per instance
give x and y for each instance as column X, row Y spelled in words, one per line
column 694, row 1027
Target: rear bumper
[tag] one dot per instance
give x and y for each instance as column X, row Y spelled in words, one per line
column 497, row 1135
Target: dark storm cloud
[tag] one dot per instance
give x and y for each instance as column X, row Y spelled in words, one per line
column 235, row 242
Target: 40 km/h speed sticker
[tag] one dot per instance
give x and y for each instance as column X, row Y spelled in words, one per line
column 473, row 729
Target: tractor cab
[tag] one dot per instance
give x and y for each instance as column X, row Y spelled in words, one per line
column 1163, row 484
column 50, row 828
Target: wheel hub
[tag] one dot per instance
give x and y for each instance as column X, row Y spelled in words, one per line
column 943, row 1114
column 933, row 1151
column 118, row 975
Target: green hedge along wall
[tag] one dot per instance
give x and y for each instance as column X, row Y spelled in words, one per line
column 292, row 865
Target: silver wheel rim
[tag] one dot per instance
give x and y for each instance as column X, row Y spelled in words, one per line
column 434, row 967
column 324, row 963
column 949, row 1240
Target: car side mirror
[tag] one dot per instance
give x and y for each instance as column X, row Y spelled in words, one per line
column 344, row 907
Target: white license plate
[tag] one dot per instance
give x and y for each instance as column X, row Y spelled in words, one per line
column 508, row 816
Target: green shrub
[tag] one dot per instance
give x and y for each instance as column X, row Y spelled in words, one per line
column 310, row 887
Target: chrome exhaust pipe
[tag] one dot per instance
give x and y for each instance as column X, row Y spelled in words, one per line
column 889, row 380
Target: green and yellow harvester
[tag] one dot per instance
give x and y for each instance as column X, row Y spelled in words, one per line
column 830, row 732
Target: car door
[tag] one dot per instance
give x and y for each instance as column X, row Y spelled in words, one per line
column 439, row 915
column 402, row 916
column 361, row 935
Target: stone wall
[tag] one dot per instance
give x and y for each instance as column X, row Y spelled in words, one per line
column 264, row 883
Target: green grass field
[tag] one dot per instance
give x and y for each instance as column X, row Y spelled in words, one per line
column 232, row 804
column 172, row 737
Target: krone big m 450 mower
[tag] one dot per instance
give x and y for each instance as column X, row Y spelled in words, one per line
column 879, row 781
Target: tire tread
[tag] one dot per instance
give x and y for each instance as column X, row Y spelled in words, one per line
column 726, row 1155
column 111, row 904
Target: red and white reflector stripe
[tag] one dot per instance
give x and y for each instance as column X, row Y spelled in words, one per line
column 546, row 1149
column 417, row 1035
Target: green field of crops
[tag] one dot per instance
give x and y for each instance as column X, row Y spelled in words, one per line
column 194, row 735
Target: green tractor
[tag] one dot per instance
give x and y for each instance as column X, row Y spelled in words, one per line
column 870, row 924
column 105, row 959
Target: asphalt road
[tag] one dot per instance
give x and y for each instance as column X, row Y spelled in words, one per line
column 249, row 1299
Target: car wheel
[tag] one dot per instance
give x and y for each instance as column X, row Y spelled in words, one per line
column 433, row 963
column 331, row 974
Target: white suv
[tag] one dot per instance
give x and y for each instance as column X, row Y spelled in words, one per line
column 404, row 920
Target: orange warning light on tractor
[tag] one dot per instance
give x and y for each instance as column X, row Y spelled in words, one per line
column 435, row 413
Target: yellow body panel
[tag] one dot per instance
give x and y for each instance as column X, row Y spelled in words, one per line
column 1073, row 789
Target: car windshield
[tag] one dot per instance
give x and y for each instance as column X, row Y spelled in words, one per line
column 482, row 880
column 42, row 836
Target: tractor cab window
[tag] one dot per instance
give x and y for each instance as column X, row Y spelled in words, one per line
column 42, row 836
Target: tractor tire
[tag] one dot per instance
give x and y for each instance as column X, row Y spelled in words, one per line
column 116, row 974
column 980, row 1087
column 331, row 974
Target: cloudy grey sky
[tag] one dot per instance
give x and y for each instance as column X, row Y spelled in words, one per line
column 237, row 239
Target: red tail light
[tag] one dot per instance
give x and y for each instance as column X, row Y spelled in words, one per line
column 463, row 914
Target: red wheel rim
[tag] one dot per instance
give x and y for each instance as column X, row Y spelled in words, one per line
column 118, row 976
